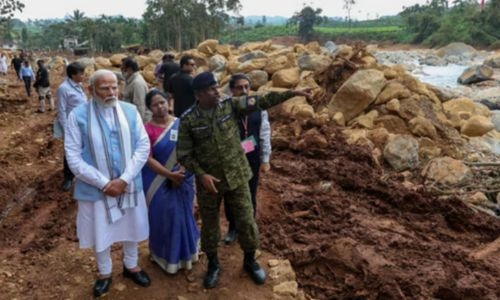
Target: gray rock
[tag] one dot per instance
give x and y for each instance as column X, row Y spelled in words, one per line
column 475, row 74
column 252, row 55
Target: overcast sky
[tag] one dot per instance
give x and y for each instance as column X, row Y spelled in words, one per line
column 363, row 9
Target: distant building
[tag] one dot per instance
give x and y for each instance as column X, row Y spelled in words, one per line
column 8, row 45
column 70, row 43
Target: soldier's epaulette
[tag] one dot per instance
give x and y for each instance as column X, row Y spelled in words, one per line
column 228, row 98
column 187, row 112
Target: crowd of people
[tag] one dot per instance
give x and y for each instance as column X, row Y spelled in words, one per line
column 137, row 165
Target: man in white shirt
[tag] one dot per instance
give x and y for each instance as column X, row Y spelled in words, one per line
column 70, row 94
column 106, row 147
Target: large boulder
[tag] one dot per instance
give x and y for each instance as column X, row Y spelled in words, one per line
column 252, row 55
column 393, row 90
column 208, row 47
column 156, row 55
column 102, row 63
column 313, row 62
column 258, row 78
column 493, row 61
column 254, row 64
column 144, row 60
column 286, row 78
column 116, row 59
column 475, row 74
column 278, row 63
column 252, row 46
column 297, row 108
column 446, row 171
column 331, row 47
column 421, row 126
column 401, row 152
column 217, row 63
column 477, row 126
column 461, row 109
column 456, row 49
column 357, row 93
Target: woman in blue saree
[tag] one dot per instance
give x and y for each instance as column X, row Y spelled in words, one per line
column 174, row 235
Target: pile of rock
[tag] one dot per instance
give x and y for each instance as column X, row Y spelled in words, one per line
column 406, row 123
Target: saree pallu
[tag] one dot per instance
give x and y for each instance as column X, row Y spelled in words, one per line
column 174, row 235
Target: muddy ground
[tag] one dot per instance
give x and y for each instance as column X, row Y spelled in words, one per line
column 351, row 228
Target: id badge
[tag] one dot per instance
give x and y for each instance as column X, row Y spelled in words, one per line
column 248, row 144
column 173, row 135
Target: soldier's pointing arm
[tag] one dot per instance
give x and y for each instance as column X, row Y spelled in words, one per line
column 247, row 104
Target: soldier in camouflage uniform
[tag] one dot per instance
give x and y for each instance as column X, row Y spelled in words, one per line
column 209, row 146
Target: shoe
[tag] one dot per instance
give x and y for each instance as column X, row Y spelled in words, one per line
column 253, row 268
column 212, row 277
column 140, row 277
column 101, row 287
column 67, row 185
column 231, row 236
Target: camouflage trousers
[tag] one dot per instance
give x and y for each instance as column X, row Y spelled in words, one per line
column 241, row 205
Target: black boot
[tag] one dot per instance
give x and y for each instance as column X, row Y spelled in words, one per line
column 253, row 268
column 231, row 236
column 212, row 277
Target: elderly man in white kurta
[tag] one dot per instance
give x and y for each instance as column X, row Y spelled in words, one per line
column 106, row 147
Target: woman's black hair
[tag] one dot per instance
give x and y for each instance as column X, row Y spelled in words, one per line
column 151, row 94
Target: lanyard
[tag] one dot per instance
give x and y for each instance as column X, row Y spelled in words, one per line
column 244, row 121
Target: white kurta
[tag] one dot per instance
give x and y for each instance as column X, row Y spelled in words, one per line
column 93, row 228
column 4, row 67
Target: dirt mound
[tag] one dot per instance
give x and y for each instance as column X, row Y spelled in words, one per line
column 351, row 227
column 353, row 231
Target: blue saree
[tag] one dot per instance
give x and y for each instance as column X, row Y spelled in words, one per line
column 174, row 236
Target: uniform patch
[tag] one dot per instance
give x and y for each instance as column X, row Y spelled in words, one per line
column 251, row 101
column 225, row 118
column 200, row 128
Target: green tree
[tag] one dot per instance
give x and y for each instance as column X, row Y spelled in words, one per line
column 7, row 10
column 9, row 7
column 348, row 5
column 307, row 18
column 183, row 24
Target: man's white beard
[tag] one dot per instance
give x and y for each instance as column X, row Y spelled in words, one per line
column 106, row 102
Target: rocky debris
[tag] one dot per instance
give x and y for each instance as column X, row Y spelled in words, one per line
column 475, row 74
column 373, row 140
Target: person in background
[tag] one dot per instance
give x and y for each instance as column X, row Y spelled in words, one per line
column 70, row 94
column 17, row 62
column 27, row 75
column 255, row 128
column 168, row 68
column 42, row 86
column 106, row 147
column 4, row 67
column 179, row 86
column 210, row 147
column 135, row 87
column 174, row 236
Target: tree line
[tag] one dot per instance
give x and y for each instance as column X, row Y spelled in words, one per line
column 440, row 22
column 174, row 24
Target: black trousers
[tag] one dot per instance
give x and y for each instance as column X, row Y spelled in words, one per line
column 27, row 85
column 253, row 184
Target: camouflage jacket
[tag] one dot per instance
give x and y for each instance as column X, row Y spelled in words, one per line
column 210, row 143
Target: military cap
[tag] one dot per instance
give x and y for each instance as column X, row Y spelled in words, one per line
column 203, row 81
